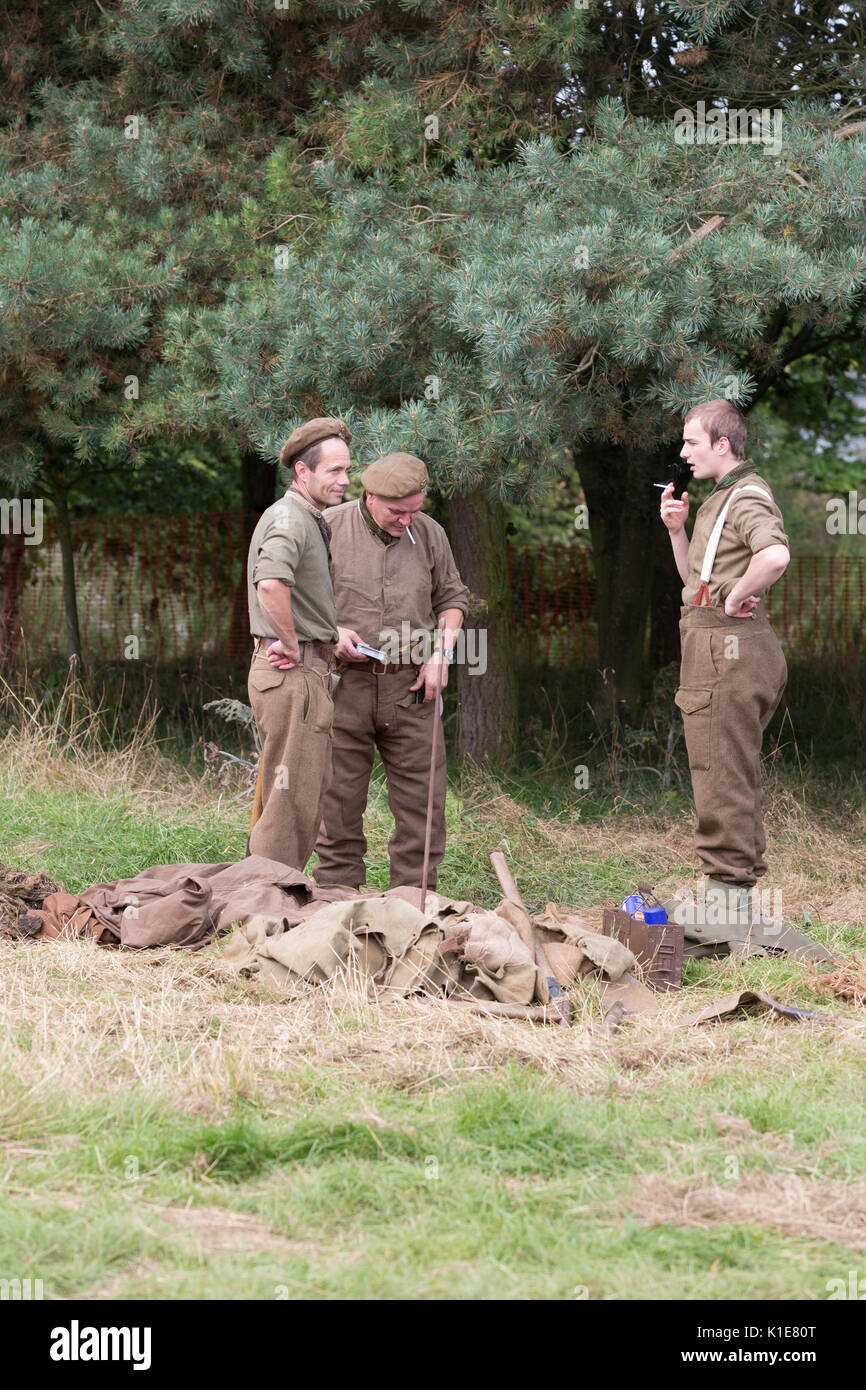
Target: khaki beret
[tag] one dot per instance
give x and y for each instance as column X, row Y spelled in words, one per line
column 395, row 476
column 312, row 433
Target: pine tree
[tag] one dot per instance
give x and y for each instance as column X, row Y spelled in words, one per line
column 109, row 212
column 324, row 242
column 426, row 217
column 75, row 311
column 637, row 276
column 576, row 304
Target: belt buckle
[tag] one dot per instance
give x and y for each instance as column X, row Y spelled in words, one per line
column 384, row 666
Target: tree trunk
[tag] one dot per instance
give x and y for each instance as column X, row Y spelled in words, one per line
column 258, row 486
column 11, row 589
column 488, row 701
column 628, row 543
column 258, row 483
column 666, row 601
column 60, row 497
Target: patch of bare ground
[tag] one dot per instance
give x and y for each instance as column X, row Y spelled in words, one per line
column 788, row 1202
column 215, row 1230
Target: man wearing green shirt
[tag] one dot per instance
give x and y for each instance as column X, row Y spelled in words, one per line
column 292, row 616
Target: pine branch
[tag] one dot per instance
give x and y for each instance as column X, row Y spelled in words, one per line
column 707, row 229
column 286, row 220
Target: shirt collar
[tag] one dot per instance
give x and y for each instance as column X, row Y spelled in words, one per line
column 317, row 517
column 302, row 501
column 741, row 471
column 373, row 526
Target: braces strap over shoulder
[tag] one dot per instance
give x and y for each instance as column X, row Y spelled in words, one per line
column 716, row 533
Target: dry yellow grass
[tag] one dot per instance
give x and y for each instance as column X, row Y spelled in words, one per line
column 795, row 1205
column 184, row 1027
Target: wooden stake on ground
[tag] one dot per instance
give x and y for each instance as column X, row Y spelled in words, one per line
column 557, row 999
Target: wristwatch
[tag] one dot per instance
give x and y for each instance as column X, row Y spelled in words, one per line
column 448, row 655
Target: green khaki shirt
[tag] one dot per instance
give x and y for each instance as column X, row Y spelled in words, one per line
column 289, row 543
column 753, row 522
column 387, row 589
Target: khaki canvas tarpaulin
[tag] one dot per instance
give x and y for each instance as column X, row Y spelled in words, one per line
column 489, row 942
column 396, row 949
column 383, row 940
column 753, row 999
column 606, row 952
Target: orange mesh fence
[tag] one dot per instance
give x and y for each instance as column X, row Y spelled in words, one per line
column 173, row 588
column 159, row 588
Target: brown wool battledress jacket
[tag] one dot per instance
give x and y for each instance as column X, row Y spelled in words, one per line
column 753, row 522
column 381, row 589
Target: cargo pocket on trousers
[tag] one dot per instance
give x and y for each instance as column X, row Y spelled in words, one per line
column 265, row 677
column 318, row 703
column 412, row 716
column 696, row 706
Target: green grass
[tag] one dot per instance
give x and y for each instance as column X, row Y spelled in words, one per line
column 169, row 1130
column 504, row 1187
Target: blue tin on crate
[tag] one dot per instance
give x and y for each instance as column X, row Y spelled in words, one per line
column 644, row 908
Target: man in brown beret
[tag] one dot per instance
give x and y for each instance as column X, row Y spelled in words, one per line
column 294, row 626
column 395, row 582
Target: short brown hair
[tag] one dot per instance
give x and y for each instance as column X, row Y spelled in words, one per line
column 721, row 420
column 311, row 456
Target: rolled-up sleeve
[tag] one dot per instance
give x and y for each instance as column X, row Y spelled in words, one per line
column 758, row 522
column 279, row 552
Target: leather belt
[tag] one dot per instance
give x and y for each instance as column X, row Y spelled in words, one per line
column 380, row 668
column 323, row 650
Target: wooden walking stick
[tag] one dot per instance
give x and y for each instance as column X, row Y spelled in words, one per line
column 428, row 829
column 256, row 813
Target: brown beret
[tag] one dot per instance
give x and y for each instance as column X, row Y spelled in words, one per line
column 312, row 433
column 395, row 476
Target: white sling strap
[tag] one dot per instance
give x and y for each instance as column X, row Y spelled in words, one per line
column 716, row 533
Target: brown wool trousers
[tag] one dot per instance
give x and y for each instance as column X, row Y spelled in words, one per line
column 293, row 711
column 373, row 712
column 732, row 678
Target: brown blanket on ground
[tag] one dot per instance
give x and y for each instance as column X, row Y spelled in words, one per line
column 181, row 904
